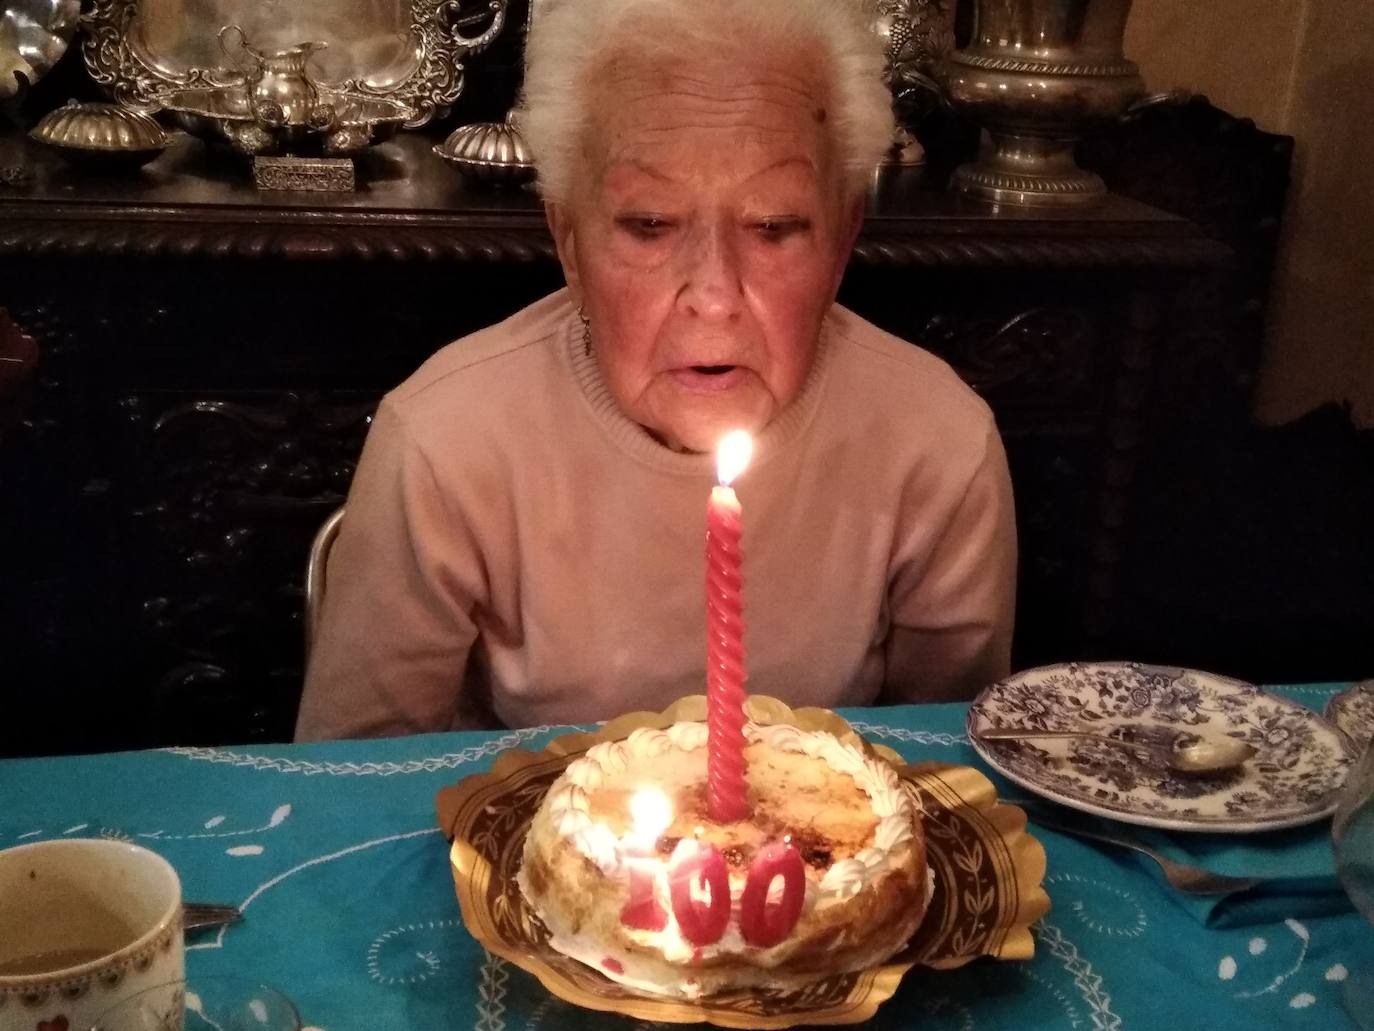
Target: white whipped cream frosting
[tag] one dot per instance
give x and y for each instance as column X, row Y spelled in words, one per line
column 567, row 804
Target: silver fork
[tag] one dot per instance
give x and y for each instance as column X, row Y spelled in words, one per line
column 207, row 914
column 1191, row 880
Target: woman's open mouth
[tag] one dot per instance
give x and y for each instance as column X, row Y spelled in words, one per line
column 709, row 379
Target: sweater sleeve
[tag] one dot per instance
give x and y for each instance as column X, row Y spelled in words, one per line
column 950, row 617
column 403, row 579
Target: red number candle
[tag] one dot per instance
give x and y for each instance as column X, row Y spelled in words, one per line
column 725, row 637
column 642, row 910
column 763, row 924
column 696, row 864
column 650, row 812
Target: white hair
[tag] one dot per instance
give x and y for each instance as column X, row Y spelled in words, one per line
column 570, row 41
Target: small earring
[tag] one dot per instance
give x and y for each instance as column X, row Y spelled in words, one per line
column 586, row 331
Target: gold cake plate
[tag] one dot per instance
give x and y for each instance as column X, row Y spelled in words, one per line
column 987, row 879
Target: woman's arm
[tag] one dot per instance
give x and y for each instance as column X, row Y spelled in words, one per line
column 403, row 580
column 951, row 614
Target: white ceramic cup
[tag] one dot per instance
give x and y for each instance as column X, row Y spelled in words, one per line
column 84, row 924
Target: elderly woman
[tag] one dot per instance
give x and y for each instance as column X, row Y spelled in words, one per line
column 523, row 539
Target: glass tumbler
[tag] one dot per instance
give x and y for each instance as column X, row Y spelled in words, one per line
column 1352, row 838
column 202, row 1004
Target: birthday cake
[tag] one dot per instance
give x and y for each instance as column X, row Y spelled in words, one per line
column 631, row 875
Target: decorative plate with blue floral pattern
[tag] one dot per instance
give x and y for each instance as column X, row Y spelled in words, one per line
column 1294, row 778
column 1352, row 711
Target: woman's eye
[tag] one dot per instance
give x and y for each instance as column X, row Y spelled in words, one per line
column 644, row 227
column 775, row 230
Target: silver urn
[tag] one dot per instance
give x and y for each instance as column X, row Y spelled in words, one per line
column 1036, row 76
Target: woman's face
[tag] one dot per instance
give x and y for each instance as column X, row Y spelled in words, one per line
column 707, row 242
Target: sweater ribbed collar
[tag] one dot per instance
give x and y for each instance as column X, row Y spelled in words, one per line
column 635, row 440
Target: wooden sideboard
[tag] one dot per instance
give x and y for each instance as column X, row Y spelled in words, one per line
column 209, row 355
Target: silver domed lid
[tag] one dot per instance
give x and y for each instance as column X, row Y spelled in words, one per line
column 497, row 143
column 491, row 151
column 100, row 127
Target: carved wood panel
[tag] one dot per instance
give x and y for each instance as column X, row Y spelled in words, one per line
column 173, row 467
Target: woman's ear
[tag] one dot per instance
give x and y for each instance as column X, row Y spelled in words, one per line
column 565, row 242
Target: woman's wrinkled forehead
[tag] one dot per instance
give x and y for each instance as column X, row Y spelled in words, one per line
column 767, row 110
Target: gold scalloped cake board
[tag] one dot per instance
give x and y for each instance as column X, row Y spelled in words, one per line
column 987, row 870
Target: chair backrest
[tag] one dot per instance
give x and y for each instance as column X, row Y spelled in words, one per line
column 316, row 574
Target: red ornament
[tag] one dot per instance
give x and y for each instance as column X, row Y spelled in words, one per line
column 763, row 924
column 698, row 862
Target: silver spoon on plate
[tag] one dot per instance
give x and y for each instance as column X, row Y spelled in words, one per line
column 1202, row 756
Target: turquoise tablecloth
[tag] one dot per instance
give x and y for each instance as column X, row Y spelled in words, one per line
column 333, row 853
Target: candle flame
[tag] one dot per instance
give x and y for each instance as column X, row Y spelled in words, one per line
column 732, row 456
column 651, row 812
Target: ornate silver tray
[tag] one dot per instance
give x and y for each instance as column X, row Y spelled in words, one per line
column 356, row 121
column 411, row 53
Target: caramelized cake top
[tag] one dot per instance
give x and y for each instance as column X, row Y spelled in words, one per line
column 844, row 811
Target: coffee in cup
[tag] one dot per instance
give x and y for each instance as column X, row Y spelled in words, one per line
column 84, row 924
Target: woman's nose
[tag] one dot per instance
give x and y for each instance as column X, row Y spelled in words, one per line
column 712, row 287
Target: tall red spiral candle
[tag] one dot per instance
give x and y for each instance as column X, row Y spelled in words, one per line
column 725, row 674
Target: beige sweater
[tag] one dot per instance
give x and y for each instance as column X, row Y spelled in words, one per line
column 507, row 521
